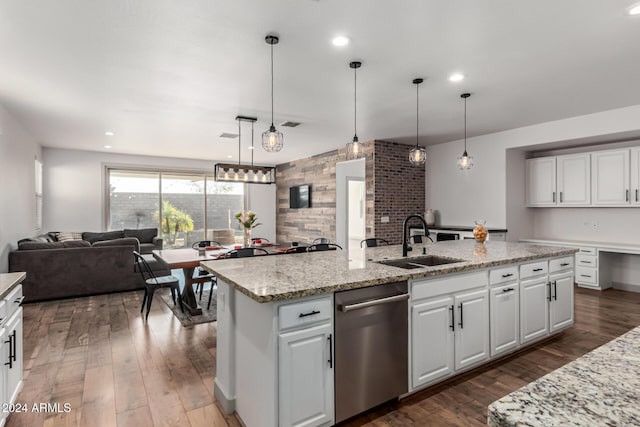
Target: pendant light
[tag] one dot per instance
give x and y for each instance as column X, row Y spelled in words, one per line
column 465, row 161
column 272, row 139
column 355, row 148
column 417, row 155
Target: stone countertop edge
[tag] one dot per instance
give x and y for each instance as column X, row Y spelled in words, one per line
column 385, row 274
column 8, row 281
column 602, row 387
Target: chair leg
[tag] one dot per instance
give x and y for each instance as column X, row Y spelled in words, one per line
column 149, row 299
column 211, row 293
column 173, row 295
column 144, row 299
column 180, row 300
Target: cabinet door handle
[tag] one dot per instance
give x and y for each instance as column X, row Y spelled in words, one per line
column 555, row 290
column 538, row 269
column 507, row 275
column 586, row 262
column 554, row 197
column 311, row 313
column 330, row 352
column 19, row 300
column 453, row 319
column 584, row 275
column 626, row 198
column 10, row 362
column 564, row 264
column 461, row 321
column 549, row 286
column 636, row 194
column 561, row 197
column 507, row 290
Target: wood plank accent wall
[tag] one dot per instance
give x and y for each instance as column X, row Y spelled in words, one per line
column 395, row 188
column 399, row 189
column 304, row 225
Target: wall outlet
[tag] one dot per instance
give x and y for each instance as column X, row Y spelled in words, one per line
column 384, row 219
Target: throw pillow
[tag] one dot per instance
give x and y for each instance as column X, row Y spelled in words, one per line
column 66, row 236
column 144, row 235
column 32, row 245
column 98, row 237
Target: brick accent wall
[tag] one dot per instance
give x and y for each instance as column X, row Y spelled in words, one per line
column 399, row 189
column 395, row 188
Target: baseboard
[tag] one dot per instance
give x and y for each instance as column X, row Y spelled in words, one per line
column 626, row 287
column 227, row 404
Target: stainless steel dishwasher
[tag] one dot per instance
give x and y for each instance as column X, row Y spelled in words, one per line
column 371, row 358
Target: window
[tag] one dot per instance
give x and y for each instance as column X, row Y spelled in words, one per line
column 38, row 188
column 194, row 206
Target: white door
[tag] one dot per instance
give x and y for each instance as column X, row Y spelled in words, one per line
column 356, row 212
column 541, row 181
column 574, row 179
column 561, row 304
column 472, row 328
column 504, row 304
column 431, row 340
column 610, row 177
column 305, row 377
column 635, row 176
column 534, row 309
column 14, row 351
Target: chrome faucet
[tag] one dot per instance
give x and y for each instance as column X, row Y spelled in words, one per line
column 405, row 244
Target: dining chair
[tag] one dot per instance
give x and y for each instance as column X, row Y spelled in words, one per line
column 205, row 243
column 245, row 252
column 153, row 282
column 373, row 242
column 202, row 276
column 323, row 247
column 295, row 250
column 320, row 240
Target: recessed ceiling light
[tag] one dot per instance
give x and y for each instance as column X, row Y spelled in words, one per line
column 635, row 10
column 456, row 77
column 107, row 146
column 109, row 133
column 229, row 157
column 251, row 148
column 340, row 41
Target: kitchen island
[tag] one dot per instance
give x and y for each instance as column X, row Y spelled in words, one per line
column 275, row 327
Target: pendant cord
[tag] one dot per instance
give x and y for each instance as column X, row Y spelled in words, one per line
column 252, row 148
column 355, row 103
column 239, row 141
column 465, row 125
column 417, row 113
column 272, row 85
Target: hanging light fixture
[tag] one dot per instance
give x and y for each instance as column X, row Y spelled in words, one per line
column 355, row 148
column 272, row 139
column 245, row 173
column 465, row 161
column 417, row 155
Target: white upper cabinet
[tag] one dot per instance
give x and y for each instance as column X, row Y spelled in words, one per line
column 635, row 176
column 541, row 181
column 610, row 178
column 574, row 179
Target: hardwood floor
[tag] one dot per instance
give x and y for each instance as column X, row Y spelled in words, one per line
column 98, row 355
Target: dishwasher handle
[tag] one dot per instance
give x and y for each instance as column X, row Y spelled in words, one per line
column 359, row 305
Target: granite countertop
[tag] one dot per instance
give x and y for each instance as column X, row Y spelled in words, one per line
column 8, row 281
column 290, row 276
column 465, row 228
column 601, row 388
column 590, row 243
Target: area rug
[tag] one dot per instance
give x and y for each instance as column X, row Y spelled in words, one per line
column 185, row 318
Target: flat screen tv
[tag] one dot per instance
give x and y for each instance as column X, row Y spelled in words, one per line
column 300, row 196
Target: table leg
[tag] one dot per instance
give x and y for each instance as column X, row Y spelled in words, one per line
column 188, row 298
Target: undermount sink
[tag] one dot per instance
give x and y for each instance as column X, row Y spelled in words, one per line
column 420, row 262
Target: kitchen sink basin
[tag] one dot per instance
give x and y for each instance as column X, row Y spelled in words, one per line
column 420, row 262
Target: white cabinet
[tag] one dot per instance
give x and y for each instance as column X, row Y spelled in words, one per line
column 305, row 376
column 534, row 309
column 573, row 183
column 472, row 328
column 561, row 301
column 13, row 356
column 635, row 176
column 432, row 340
column 504, row 306
column 449, row 326
column 610, row 177
column 541, row 181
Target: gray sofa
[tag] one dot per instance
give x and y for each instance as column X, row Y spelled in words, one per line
column 99, row 263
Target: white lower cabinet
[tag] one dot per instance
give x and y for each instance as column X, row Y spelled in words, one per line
column 13, row 356
column 449, row 332
column 504, row 306
column 534, row 309
column 305, row 376
column 561, row 303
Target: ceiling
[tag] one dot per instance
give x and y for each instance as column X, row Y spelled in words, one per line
column 169, row 77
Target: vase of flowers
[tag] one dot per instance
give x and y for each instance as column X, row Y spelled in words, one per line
column 248, row 221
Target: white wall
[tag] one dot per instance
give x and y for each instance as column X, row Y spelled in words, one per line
column 74, row 191
column 461, row 197
column 262, row 201
column 18, row 151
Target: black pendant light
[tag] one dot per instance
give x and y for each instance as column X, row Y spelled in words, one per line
column 272, row 139
column 465, row 161
column 355, row 148
column 417, row 155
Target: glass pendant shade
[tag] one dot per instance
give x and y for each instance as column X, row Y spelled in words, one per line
column 417, row 156
column 272, row 140
column 465, row 161
column 355, row 149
